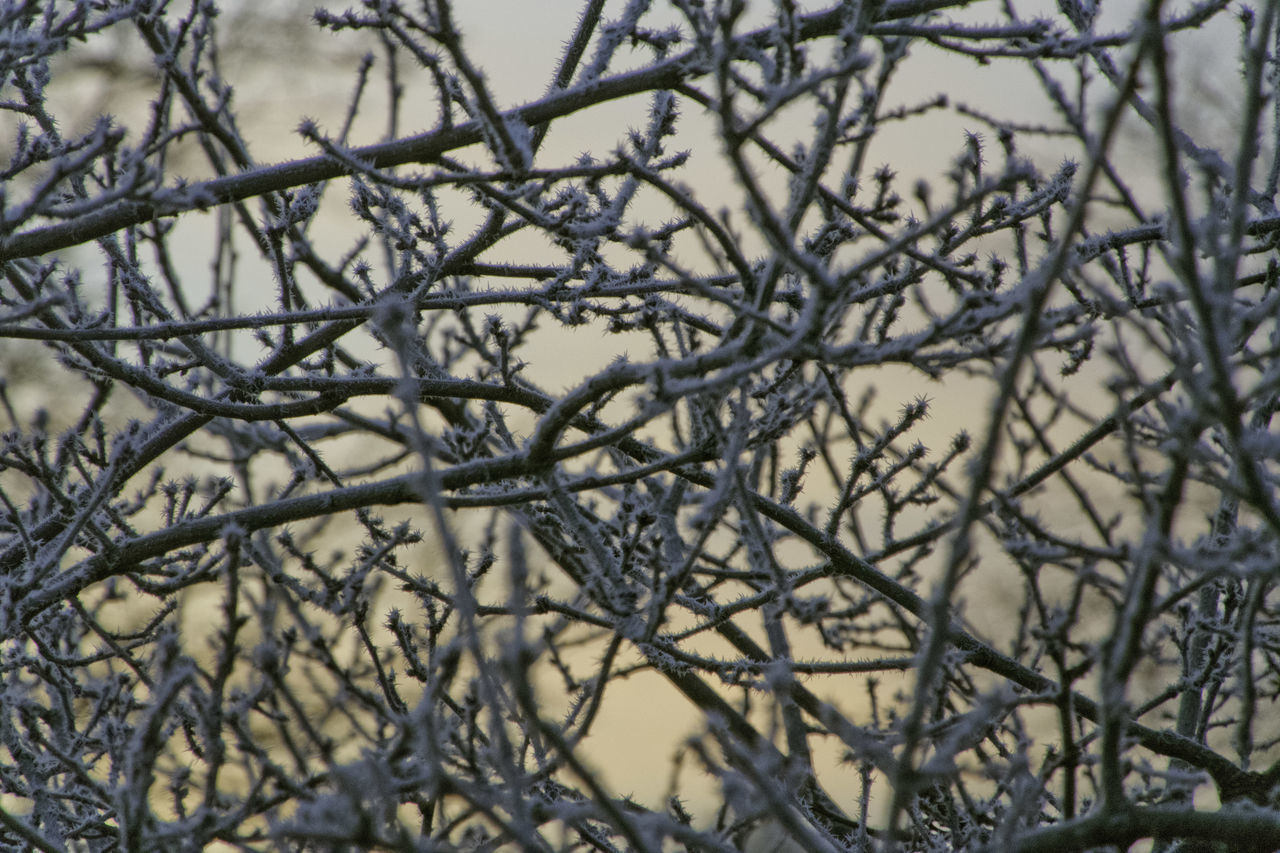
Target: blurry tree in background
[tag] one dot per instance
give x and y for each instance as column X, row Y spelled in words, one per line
column 309, row 546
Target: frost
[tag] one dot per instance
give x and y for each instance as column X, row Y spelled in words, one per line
column 366, row 499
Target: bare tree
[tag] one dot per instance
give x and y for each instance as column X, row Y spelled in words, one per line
column 307, row 545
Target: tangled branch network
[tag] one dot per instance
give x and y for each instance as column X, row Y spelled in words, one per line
column 781, row 427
